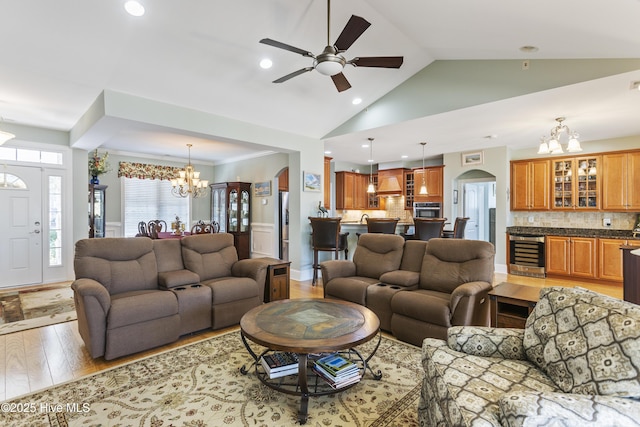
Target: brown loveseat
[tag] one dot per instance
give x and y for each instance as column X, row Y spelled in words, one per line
column 417, row 289
column 132, row 294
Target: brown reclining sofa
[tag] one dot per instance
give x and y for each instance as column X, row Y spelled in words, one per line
column 132, row 294
column 417, row 289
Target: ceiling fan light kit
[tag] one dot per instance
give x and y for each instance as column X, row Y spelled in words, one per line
column 330, row 62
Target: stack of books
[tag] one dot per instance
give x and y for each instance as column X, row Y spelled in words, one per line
column 337, row 371
column 280, row 364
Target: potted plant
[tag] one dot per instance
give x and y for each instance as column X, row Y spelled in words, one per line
column 98, row 165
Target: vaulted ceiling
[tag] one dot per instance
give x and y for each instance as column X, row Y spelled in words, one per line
column 463, row 79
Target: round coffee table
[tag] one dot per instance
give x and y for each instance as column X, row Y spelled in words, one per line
column 304, row 327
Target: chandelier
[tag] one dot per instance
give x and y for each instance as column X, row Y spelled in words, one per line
column 371, row 188
column 423, row 188
column 188, row 182
column 552, row 145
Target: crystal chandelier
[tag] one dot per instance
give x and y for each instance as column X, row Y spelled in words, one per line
column 552, row 146
column 423, row 188
column 188, row 182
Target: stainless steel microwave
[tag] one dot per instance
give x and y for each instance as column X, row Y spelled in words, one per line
column 427, row 210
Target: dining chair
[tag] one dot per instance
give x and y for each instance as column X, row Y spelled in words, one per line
column 458, row 228
column 428, row 228
column 161, row 224
column 326, row 236
column 202, row 227
column 143, row 230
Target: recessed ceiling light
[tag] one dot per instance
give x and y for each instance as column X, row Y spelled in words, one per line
column 356, row 101
column 635, row 85
column 365, row 145
column 327, row 152
column 134, row 8
column 528, row 49
column 492, row 136
column 266, row 63
column 404, row 156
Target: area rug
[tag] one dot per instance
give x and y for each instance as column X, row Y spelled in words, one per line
column 36, row 307
column 201, row 385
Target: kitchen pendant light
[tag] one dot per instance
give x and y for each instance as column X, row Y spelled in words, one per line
column 371, row 188
column 423, row 188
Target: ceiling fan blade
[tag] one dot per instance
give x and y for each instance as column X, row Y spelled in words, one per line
column 292, row 75
column 341, row 82
column 285, row 46
column 354, row 29
column 378, row 61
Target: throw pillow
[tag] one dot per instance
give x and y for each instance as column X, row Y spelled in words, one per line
column 586, row 342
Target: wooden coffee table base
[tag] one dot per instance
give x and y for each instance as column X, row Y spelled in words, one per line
column 309, row 328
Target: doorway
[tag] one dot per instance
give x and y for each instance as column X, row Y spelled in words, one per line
column 20, row 226
column 479, row 205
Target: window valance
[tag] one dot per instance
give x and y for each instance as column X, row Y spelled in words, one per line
column 147, row 171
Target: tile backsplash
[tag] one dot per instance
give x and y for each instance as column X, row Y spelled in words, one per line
column 593, row 220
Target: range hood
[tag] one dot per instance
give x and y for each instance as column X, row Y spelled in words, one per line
column 390, row 182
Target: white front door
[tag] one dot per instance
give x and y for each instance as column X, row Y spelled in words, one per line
column 20, row 225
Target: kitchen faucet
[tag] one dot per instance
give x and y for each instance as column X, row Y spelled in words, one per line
column 362, row 218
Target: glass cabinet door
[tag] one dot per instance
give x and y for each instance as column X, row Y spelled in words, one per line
column 244, row 211
column 588, row 183
column 219, row 211
column 562, row 184
column 233, row 211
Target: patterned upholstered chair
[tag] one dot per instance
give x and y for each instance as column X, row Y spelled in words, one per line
column 576, row 363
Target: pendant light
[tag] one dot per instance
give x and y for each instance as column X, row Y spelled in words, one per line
column 188, row 182
column 371, row 188
column 423, row 188
column 552, row 145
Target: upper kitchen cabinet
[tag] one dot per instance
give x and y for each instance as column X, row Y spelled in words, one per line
column 576, row 183
column 620, row 181
column 351, row 190
column 327, row 182
column 530, row 183
column 433, row 180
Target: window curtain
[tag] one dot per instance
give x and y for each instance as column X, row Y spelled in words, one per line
column 147, row 171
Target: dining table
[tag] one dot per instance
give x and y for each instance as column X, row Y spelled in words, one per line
column 172, row 235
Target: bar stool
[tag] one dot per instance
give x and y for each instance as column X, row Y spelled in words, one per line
column 381, row 225
column 458, row 228
column 326, row 236
column 428, row 228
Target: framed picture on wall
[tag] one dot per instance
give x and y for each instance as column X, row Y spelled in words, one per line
column 262, row 189
column 473, row 158
column 311, row 181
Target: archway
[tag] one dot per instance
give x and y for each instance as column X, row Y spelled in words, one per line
column 477, row 200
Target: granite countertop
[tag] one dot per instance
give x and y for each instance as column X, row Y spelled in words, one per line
column 572, row 232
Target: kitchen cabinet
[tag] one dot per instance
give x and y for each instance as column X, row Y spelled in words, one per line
column 576, row 183
column 351, row 190
column 231, row 208
column 571, row 256
column 610, row 258
column 530, row 185
column 327, row 182
column 97, row 200
column 433, row 179
column 408, row 188
column 620, row 181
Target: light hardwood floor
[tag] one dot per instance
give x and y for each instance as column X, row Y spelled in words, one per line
column 39, row 358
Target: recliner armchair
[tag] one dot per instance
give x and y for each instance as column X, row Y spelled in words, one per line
column 121, row 309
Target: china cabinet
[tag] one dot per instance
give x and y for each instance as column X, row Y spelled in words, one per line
column 231, row 209
column 97, row 195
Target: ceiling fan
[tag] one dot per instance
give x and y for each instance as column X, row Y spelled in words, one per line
column 330, row 62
